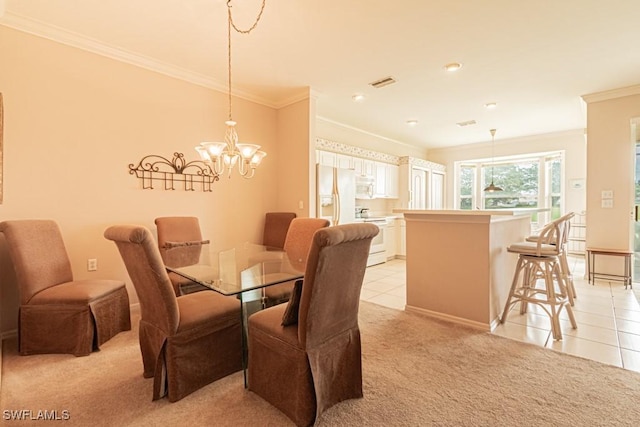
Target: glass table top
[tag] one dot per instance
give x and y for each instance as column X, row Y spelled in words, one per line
column 240, row 269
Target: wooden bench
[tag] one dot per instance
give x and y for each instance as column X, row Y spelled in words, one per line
column 591, row 265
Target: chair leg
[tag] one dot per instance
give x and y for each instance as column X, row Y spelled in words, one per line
column 567, row 277
column 514, row 285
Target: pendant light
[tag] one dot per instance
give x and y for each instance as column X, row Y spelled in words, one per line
column 492, row 187
column 224, row 156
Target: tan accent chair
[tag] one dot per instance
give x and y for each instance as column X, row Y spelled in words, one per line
column 308, row 366
column 188, row 341
column 58, row 314
column 180, row 242
column 296, row 245
column 275, row 229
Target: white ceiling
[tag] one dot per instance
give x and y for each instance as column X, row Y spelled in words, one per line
column 533, row 58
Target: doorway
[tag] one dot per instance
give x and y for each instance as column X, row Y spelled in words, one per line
column 635, row 132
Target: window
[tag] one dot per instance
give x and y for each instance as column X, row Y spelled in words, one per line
column 528, row 181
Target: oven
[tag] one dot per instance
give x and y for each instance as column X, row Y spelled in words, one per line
column 378, row 252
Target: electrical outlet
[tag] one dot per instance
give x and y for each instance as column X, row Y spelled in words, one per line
column 92, row 264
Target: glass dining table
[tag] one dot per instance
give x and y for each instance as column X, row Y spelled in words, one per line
column 244, row 271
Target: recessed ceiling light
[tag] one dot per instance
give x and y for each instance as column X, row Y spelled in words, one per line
column 490, row 105
column 412, row 122
column 453, row 66
column 358, row 97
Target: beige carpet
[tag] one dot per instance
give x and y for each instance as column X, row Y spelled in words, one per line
column 417, row 372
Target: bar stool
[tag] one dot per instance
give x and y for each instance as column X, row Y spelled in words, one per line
column 567, row 276
column 539, row 262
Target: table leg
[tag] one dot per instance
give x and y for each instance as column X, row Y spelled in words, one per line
column 248, row 306
column 243, row 324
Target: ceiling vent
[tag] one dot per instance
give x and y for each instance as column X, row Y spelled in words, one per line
column 383, row 82
column 467, row 123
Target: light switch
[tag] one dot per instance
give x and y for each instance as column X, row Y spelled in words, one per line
column 607, row 203
column 607, row 194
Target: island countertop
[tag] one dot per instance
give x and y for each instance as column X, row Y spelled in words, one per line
column 521, row 211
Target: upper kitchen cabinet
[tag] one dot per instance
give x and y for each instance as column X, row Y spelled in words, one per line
column 326, row 158
column 335, row 160
column 364, row 167
column 381, row 169
column 386, row 180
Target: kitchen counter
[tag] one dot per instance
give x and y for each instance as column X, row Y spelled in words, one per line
column 458, row 267
column 477, row 212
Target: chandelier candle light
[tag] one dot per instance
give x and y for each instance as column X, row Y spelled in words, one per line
column 491, row 187
column 223, row 156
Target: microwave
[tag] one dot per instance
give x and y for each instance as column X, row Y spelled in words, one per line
column 364, row 187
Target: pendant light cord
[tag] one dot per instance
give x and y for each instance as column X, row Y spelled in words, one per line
column 230, row 24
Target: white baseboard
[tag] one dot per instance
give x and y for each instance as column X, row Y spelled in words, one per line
column 449, row 318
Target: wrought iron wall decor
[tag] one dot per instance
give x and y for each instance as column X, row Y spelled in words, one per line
column 157, row 168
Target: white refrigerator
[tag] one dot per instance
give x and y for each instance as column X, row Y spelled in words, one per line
column 336, row 191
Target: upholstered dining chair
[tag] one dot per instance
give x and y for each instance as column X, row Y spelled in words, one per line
column 275, row 228
column 305, row 356
column 296, row 245
column 180, row 242
column 57, row 313
column 188, row 341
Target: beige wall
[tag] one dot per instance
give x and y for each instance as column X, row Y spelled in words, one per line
column 572, row 143
column 611, row 166
column 295, row 180
column 74, row 121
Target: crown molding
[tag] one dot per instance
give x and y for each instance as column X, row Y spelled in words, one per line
column 365, row 132
column 612, row 94
column 69, row 38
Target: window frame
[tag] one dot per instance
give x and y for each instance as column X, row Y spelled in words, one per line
column 545, row 169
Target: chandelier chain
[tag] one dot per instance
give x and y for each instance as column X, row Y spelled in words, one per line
column 254, row 24
column 229, row 26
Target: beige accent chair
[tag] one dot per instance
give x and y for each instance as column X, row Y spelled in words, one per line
column 57, row 313
column 296, row 245
column 275, row 229
column 188, row 341
column 180, row 242
column 314, row 361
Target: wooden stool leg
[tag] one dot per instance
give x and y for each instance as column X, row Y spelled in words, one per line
column 567, row 277
column 514, row 285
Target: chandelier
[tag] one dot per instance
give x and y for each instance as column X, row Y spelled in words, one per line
column 491, row 187
column 224, row 156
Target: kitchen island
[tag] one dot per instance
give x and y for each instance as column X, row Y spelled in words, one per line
column 458, row 267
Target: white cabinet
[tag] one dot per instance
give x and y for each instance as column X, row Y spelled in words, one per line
column 421, row 184
column 380, row 174
column 391, row 239
column 363, row 167
column 386, row 184
column 385, row 175
column 402, row 237
column 327, row 158
column 344, row 162
column 392, row 181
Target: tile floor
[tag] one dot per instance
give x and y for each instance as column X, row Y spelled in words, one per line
column 608, row 316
